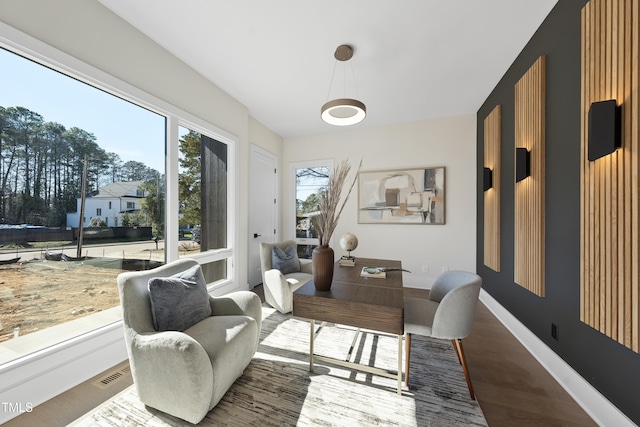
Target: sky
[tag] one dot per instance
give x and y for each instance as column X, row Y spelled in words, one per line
column 120, row 127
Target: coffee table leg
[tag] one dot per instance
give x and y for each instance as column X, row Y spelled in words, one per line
column 311, row 339
column 399, row 364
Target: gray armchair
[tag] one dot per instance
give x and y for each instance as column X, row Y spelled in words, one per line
column 447, row 314
column 185, row 374
column 279, row 286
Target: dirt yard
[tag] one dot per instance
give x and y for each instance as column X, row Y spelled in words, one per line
column 37, row 294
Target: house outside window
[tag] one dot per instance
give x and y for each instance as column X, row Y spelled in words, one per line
column 98, row 212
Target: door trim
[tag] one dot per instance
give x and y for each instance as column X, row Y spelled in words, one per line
column 253, row 150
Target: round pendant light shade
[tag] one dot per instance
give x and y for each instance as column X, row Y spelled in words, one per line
column 343, row 112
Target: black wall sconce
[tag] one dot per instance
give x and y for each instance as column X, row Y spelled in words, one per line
column 523, row 168
column 487, row 179
column 604, row 128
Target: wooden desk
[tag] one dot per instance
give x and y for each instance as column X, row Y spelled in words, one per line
column 362, row 302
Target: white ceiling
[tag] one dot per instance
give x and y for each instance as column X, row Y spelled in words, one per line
column 413, row 59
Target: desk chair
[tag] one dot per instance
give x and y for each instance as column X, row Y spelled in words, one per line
column 447, row 314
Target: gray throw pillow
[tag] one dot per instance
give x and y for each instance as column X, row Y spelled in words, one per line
column 286, row 261
column 179, row 301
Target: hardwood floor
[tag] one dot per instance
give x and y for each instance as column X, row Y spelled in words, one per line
column 513, row 389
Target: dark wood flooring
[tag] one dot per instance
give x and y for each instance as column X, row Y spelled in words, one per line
column 513, row 389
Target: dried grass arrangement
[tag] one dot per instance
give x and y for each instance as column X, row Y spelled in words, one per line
column 326, row 220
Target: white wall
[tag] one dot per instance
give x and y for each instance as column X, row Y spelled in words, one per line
column 261, row 135
column 448, row 142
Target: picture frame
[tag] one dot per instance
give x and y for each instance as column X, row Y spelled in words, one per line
column 402, row 196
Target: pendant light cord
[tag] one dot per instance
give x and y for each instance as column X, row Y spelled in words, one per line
column 344, row 80
column 331, row 84
column 353, row 76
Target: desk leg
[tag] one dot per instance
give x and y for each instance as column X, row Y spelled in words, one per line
column 311, row 339
column 400, row 364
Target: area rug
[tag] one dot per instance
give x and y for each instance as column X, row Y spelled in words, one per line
column 277, row 388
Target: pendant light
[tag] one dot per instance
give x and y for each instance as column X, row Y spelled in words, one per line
column 343, row 111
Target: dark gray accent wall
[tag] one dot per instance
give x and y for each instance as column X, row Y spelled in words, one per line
column 611, row 368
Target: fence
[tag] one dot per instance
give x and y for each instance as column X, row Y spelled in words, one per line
column 60, row 234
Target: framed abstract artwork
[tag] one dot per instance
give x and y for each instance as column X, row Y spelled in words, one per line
column 402, row 196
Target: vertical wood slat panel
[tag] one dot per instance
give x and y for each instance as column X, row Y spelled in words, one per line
column 584, row 47
column 492, row 141
column 625, row 244
column 623, row 215
column 529, row 199
column 610, row 186
column 606, row 179
column 592, row 193
column 634, row 124
column 616, row 190
column 598, row 172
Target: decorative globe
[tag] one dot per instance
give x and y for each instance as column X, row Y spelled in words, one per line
column 349, row 242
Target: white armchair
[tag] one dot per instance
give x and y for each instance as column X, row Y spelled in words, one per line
column 278, row 286
column 186, row 373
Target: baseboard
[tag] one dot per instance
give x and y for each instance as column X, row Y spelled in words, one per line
column 595, row 404
column 415, row 281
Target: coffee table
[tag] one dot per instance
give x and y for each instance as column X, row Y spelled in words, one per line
column 361, row 302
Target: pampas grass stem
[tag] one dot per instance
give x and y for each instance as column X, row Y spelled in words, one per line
column 329, row 200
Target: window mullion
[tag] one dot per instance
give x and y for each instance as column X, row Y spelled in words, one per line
column 172, row 200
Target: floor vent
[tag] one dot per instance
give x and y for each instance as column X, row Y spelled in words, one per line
column 112, row 377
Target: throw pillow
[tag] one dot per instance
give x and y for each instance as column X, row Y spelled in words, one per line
column 179, row 301
column 286, row 261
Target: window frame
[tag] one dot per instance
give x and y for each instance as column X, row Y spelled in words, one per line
column 21, row 44
column 291, row 224
column 219, row 254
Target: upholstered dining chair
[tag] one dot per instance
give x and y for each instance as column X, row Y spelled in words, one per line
column 282, row 273
column 447, row 314
column 186, row 348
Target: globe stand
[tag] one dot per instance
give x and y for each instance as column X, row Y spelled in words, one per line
column 348, row 242
column 347, row 261
column 348, row 257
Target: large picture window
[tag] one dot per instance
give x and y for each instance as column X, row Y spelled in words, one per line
column 80, row 175
column 85, row 196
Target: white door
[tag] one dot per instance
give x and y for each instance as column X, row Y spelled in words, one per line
column 263, row 207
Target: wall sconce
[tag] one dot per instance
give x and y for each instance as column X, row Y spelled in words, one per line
column 604, row 128
column 487, row 179
column 523, row 168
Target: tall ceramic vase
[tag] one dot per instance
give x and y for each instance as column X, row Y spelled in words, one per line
column 322, row 261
